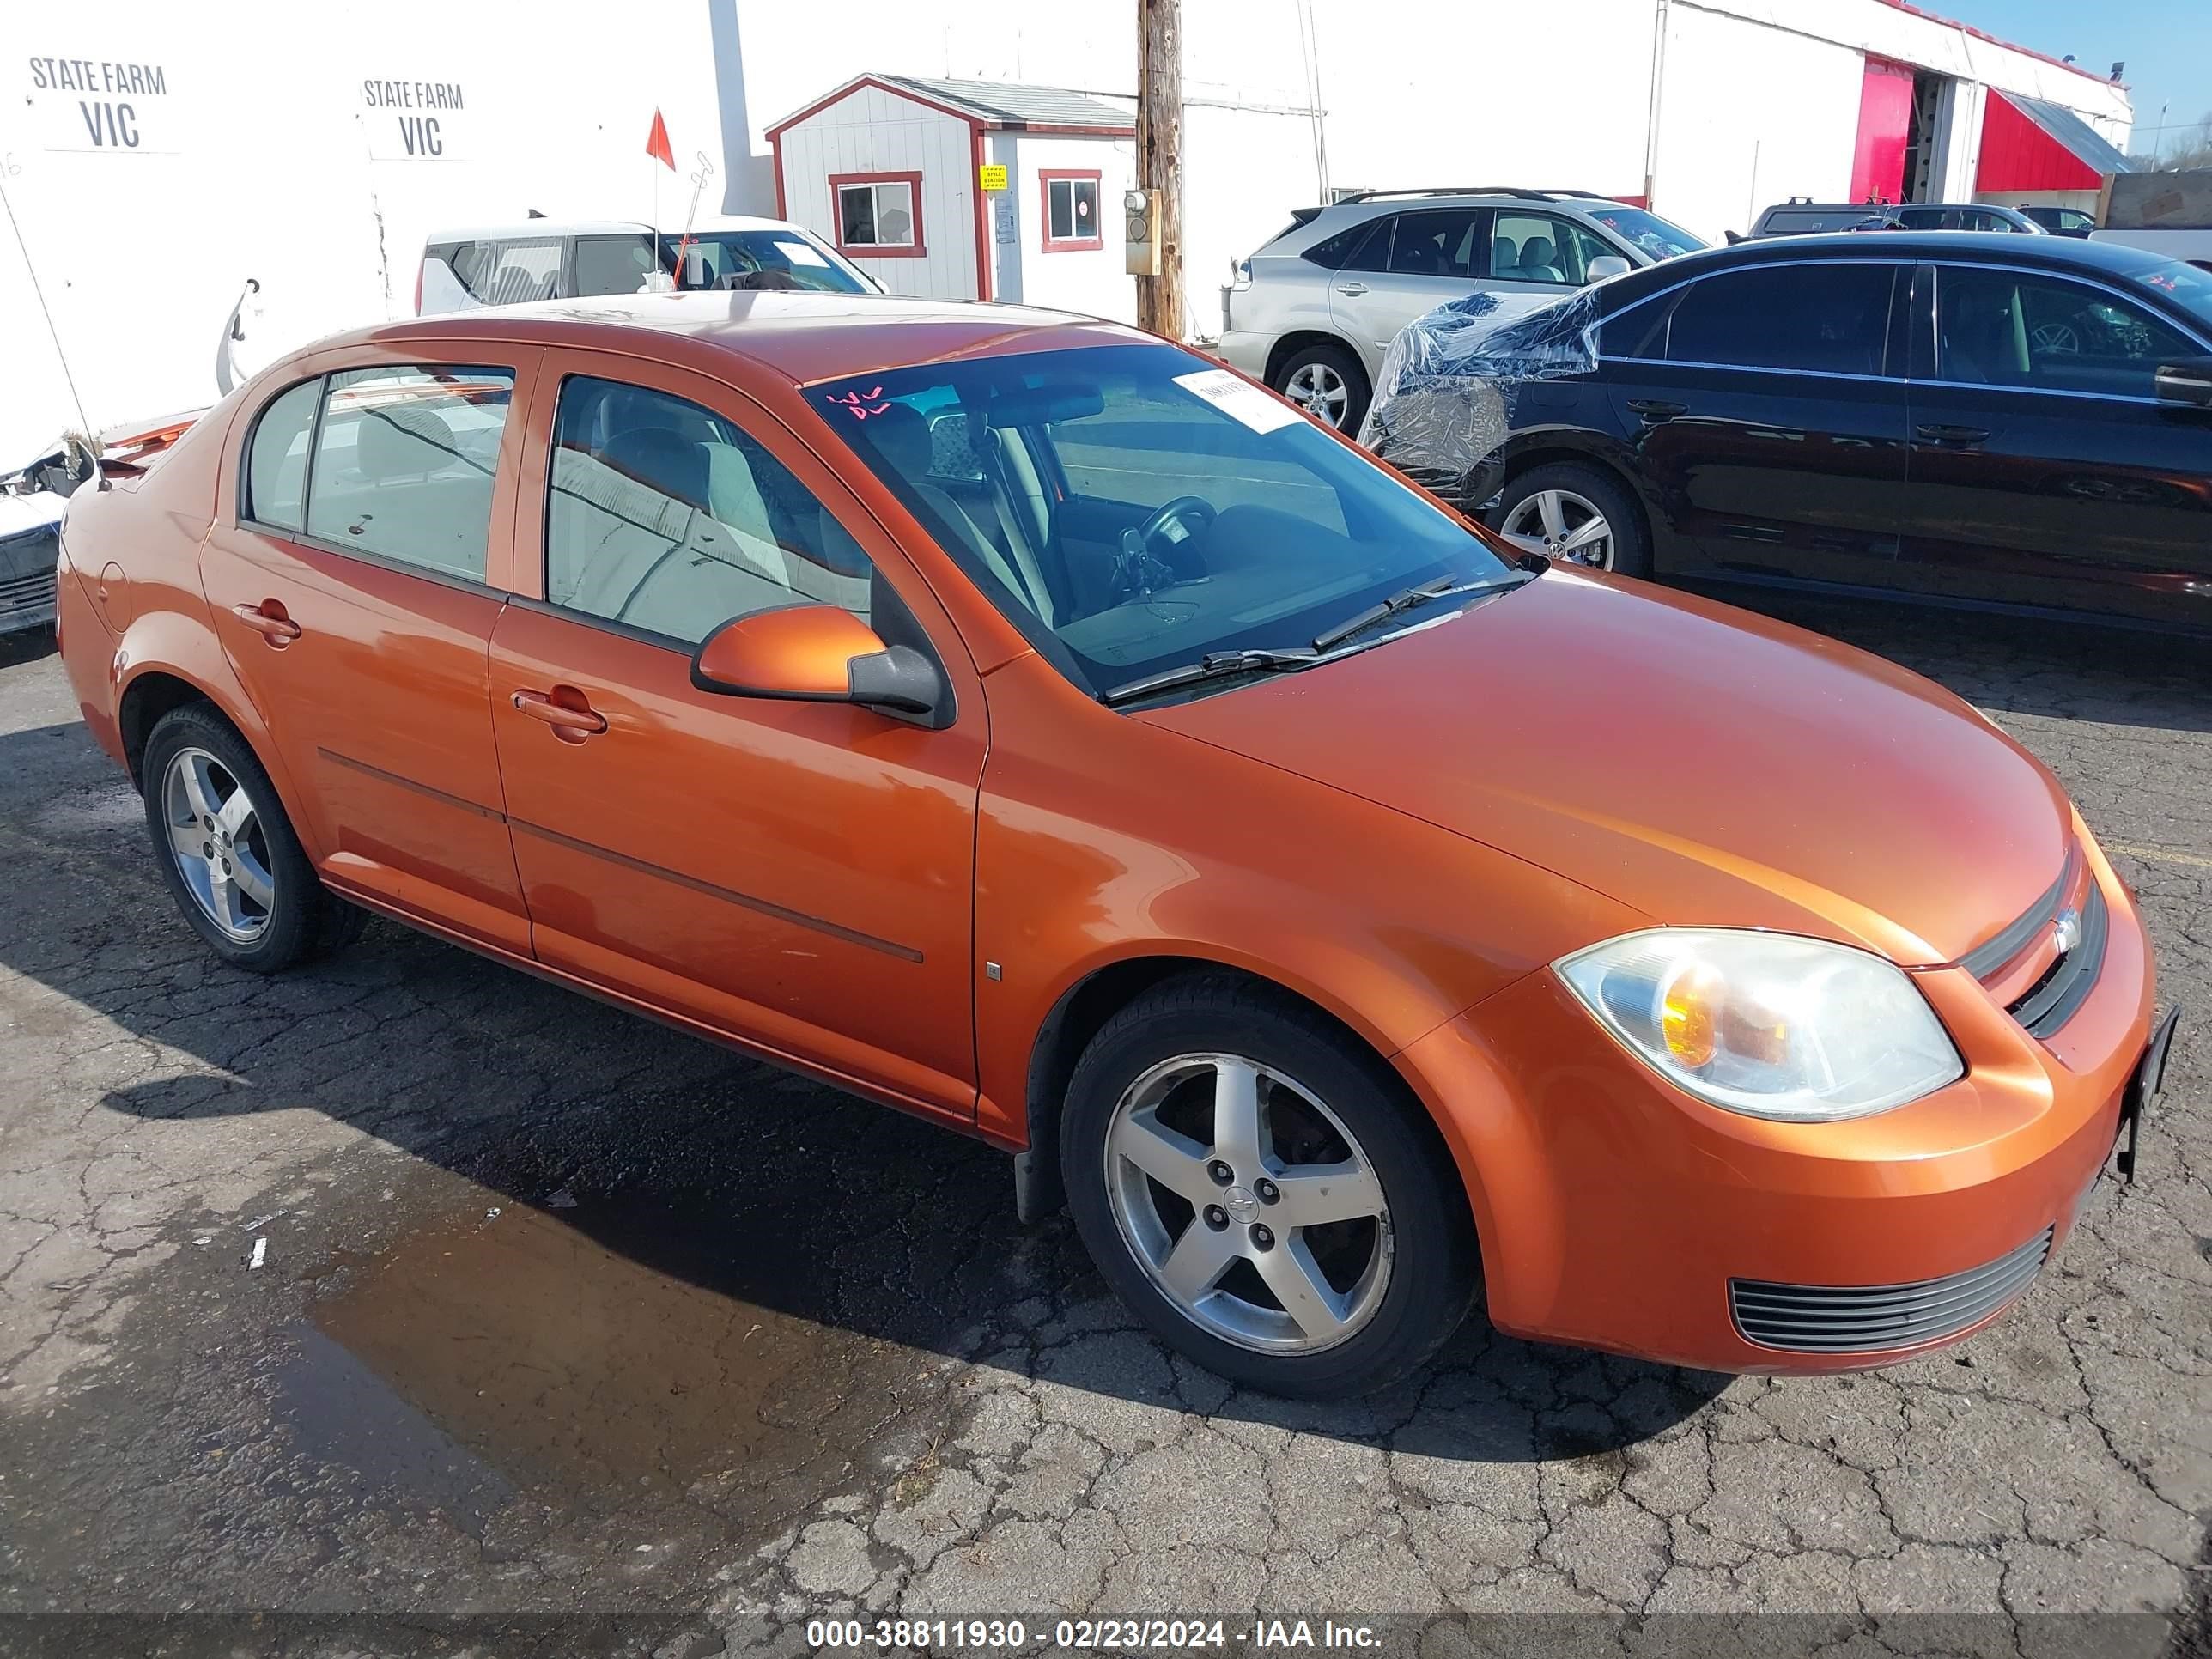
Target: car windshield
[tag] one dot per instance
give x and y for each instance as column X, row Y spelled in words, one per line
column 758, row 258
column 1647, row 231
column 1134, row 509
column 2188, row 286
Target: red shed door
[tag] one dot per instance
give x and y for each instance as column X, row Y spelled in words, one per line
column 1885, row 123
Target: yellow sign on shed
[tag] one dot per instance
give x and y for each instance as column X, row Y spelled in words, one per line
column 990, row 177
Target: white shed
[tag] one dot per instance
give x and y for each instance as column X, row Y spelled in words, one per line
column 891, row 169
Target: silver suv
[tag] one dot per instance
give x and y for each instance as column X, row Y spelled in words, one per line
column 1312, row 313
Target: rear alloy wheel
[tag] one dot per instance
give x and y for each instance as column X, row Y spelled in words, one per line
column 1326, row 382
column 1262, row 1192
column 1575, row 514
column 227, row 852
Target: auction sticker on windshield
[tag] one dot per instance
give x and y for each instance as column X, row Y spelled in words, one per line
column 799, row 254
column 1239, row 398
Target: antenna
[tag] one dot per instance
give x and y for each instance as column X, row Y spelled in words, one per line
column 9, row 168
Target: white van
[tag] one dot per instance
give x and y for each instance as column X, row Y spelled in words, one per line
column 543, row 259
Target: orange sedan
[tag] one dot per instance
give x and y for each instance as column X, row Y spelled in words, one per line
column 1028, row 724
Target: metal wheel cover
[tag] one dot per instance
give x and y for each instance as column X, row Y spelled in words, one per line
column 217, row 839
column 1320, row 391
column 1563, row 525
column 1342, row 1200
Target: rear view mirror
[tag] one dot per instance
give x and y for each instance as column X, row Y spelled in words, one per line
column 1605, row 265
column 2188, row 381
column 1040, row 405
column 818, row 653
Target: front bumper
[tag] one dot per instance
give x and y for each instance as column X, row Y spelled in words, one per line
column 1617, row 1213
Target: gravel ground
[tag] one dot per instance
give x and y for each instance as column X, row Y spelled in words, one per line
column 562, row 1314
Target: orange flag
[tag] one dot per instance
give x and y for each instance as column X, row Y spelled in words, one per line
column 657, row 145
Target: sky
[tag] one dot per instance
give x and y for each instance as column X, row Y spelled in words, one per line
column 2166, row 44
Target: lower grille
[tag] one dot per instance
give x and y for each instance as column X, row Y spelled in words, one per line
column 1867, row 1318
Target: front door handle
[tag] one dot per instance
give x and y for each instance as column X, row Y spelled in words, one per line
column 1355, row 290
column 1952, row 437
column 571, row 718
column 268, row 619
column 1656, row 409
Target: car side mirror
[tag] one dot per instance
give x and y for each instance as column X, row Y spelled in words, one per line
column 1605, row 265
column 818, row 653
column 2188, row 381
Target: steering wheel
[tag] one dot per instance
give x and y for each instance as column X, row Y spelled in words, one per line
column 1190, row 511
column 2058, row 338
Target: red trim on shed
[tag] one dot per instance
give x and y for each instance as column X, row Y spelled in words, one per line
column 914, row 250
column 1885, row 123
column 2017, row 154
column 881, row 85
column 975, row 163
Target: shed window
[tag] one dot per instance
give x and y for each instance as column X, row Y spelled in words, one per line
column 879, row 214
column 1071, row 211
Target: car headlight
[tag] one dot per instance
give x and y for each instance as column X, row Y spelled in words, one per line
column 1768, row 1024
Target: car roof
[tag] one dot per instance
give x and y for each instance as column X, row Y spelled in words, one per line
column 1996, row 246
column 804, row 336
column 542, row 228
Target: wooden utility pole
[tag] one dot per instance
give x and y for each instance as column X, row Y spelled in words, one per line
column 1159, row 159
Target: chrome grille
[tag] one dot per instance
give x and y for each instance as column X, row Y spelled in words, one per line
column 33, row 592
column 1867, row 1318
column 2066, row 982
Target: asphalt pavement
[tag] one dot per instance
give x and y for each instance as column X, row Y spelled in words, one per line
column 409, row 1287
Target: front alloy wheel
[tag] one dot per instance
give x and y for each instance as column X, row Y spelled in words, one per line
column 1249, row 1203
column 1319, row 390
column 1564, row 526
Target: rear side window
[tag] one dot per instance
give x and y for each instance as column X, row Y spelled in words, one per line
column 405, row 462
column 1437, row 242
column 664, row 516
column 276, row 465
column 1363, row 247
column 1797, row 222
column 510, row 273
column 1832, row 319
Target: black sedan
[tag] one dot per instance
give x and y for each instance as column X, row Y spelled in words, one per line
column 2002, row 420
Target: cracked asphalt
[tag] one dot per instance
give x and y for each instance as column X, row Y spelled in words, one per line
column 559, row 1313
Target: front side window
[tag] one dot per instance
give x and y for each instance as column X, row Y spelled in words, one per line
column 1185, row 511
column 662, row 516
column 2003, row 328
column 613, row 265
column 879, row 213
column 1071, row 211
column 405, row 462
column 1436, row 242
column 778, row 258
column 1532, row 247
column 276, row 465
column 1829, row 318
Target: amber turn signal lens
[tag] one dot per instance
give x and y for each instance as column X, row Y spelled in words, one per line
column 1688, row 1013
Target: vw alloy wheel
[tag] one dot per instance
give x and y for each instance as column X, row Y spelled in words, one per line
column 1561, row 524
column 216, row 838
column 1249, row 1204
column 1320, row 391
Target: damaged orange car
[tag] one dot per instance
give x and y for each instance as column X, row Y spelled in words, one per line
column 1028, row 724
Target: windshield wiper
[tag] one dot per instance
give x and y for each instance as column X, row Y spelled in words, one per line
column 1213, row 666
column 1437, row 588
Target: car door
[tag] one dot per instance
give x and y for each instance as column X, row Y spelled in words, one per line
column 796, row 876
column 2045, row 470
column 1768, row 430
column 1413, row 263
column 1538, row 253
column 354, row 577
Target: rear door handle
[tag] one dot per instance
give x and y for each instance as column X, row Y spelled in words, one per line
column 1952, row 437
column 268, row 619
column 1654, row 409
column 1355, row 290
column 569, row 722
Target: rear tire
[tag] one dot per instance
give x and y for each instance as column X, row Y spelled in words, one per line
column 1384, row 1270
column 227, row 852
column 1559, row 497
column 1328, row 382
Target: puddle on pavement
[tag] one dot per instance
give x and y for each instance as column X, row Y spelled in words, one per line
column 484, row 1355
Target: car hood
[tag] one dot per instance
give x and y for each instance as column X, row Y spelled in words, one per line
column 1691, row 760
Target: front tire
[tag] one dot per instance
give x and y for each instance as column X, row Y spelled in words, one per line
column 230, row 855
column 1327, row 382
column 1576, row 513
column 1262, row 1192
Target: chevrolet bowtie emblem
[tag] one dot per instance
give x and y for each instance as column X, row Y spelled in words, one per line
column 2066, row 931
